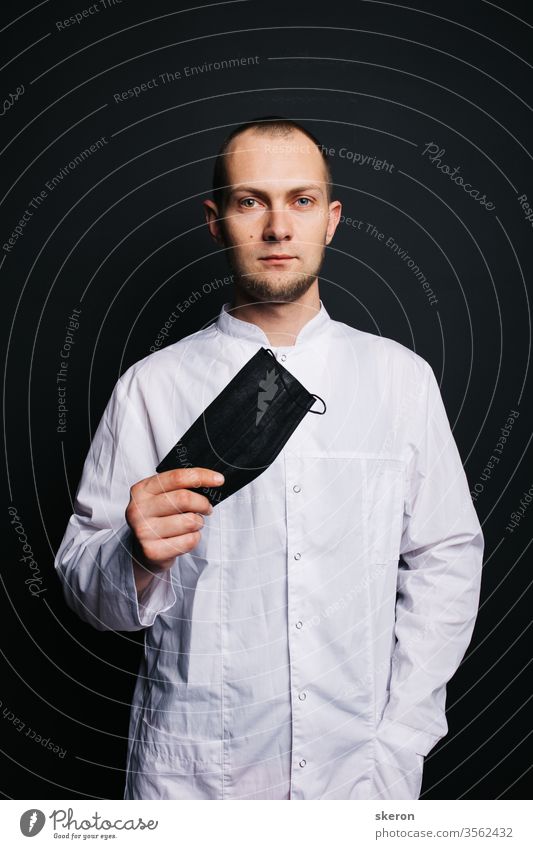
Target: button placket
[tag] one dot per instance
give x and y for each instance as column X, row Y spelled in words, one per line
column 296, row 643
column 297, row 489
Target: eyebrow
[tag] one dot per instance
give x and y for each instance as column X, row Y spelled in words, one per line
column 255, row 191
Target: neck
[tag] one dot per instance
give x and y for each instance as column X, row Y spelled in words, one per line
column 281, row 321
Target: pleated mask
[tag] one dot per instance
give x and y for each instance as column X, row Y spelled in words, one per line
column 242, row 431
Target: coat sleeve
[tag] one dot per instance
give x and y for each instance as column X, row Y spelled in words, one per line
column 438, row 583
column 94, row 561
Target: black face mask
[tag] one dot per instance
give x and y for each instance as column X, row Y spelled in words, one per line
column 243, row 430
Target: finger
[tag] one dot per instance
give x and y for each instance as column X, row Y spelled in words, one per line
column 173, row 502
column 154, row 529
column 191, row 478
column 157, row 551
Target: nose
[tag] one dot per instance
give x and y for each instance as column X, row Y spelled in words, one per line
column 278, row 226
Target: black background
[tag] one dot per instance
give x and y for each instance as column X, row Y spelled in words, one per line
column 122, row 238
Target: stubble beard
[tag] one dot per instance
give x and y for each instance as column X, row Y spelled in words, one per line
column 272, row 285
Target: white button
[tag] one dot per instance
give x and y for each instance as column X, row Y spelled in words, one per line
column 303, row 762
column 297, row 488
column 302, row 695
column 297, row 555
column 283, row 357
column 299, row 624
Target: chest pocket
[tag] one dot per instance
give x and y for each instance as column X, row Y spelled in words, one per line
column 384, row 494
column 352, row 504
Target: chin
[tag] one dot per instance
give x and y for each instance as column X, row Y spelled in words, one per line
column 262, row 287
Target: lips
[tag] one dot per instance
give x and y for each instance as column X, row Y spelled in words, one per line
column 276, row 258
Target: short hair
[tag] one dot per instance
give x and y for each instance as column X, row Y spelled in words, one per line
column 273, row 125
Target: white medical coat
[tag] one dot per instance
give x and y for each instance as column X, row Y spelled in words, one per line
column 292, row 653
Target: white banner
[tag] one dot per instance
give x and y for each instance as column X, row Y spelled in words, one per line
column 267, row 824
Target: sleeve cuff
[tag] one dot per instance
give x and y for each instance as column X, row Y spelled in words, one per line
column 402, row 736
column 157, row 597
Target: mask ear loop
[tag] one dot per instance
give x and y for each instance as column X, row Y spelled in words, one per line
column 280, row 372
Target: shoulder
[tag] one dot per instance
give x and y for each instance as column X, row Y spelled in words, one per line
column 160, row 365
column 382, row 353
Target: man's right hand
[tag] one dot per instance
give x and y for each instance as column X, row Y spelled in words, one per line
column 166, row 517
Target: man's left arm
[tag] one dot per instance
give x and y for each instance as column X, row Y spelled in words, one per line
column 438, row 584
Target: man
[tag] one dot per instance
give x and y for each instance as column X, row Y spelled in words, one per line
column 300, row 636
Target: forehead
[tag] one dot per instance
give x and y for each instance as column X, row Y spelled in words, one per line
column 266, row 160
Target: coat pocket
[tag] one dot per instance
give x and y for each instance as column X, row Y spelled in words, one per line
column 384, row 495
column 166, row 767
column 397, row 772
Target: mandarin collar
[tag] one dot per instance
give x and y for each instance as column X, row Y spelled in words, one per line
column 238, row 327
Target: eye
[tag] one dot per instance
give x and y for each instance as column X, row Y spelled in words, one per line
column 309, row 201
column 245, row 200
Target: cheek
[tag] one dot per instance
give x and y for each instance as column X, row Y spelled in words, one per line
column 316, row 237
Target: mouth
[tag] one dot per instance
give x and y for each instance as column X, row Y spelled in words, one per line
column 275, row 258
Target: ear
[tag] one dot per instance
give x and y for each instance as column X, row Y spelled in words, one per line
column 213, row 221
column 334, row 214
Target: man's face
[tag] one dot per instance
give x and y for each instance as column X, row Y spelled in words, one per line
column 277, row 221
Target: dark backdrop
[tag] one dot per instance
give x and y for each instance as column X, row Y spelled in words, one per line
column 121, row 237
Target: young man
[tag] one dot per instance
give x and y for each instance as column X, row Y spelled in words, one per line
column 300, row 636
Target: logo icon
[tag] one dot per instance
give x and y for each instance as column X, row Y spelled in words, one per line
column 31, row 822
column 269, row 388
